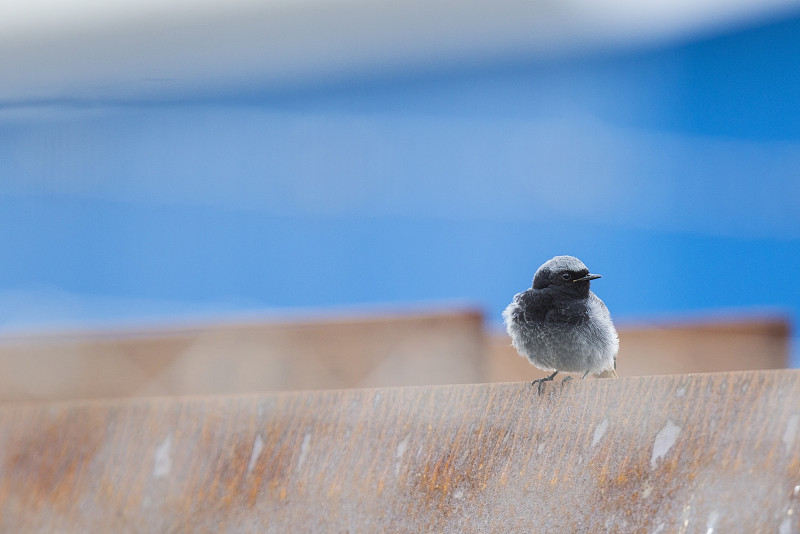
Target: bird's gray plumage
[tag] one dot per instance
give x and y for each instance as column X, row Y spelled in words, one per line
column 559, row 324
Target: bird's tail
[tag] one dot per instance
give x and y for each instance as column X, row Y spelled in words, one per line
column 608, row 373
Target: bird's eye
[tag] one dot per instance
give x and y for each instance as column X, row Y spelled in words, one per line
column 565, row 276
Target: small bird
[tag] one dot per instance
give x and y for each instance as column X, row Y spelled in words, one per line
column 559, row 324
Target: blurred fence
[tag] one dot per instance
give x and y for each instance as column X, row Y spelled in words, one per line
column 421, row 348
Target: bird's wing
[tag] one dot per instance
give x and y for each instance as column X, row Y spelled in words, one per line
column 600, row 307
column 533, row 304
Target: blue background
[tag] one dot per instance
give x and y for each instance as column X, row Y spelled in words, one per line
column 674, row 171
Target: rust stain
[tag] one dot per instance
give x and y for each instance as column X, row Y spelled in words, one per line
column 228, row 475
column 48, row 464
column 460, row 471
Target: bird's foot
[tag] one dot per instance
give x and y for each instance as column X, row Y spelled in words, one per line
column 541, row 381
column 565, row 380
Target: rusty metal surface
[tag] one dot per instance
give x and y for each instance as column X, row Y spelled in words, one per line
column 692, row 453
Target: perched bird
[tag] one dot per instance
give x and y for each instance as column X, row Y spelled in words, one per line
column 560, row 324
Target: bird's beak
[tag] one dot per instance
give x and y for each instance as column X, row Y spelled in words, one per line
column 587, row 278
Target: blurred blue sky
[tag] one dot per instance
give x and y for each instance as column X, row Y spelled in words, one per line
column 673, row 170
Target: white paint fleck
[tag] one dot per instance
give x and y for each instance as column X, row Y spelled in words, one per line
column 540, row 448
column 258, row 446
column 648, row 489
column 790, row 434
column 659, row 528
column 458, row 494
column 401, row 450
column 797, row 490
column 376, row 400
column 304, row 450
column 162, row 463
column 599, row 431
column 664, row 441
column 681, row 391
column 712, row 521
column 786, row 526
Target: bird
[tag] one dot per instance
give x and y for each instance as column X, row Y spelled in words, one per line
column 560, row 325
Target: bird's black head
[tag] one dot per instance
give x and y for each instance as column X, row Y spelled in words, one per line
column 565, row 274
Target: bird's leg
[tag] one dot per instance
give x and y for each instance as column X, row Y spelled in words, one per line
column 584, row 374
column 541, row 381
